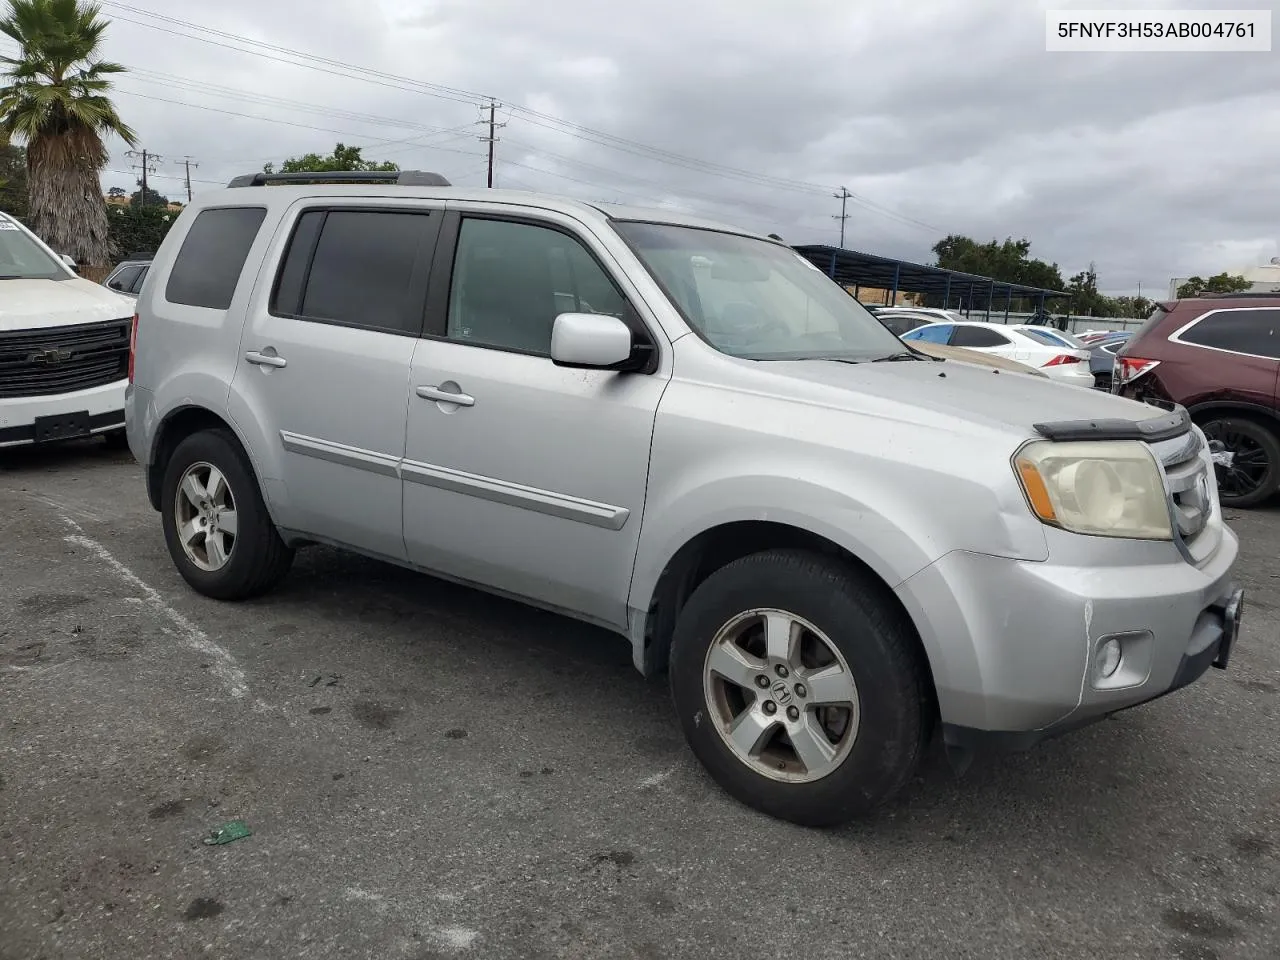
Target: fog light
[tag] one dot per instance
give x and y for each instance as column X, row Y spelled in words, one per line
column 1108, row 658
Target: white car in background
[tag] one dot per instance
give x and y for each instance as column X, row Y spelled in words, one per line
column 1038, row 347
column 64, row 346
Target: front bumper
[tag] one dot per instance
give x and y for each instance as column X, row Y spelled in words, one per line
column 104, row 407
column 1015, row 646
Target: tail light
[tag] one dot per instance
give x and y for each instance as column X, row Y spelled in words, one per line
column 1062, row 358
column 1128, row 369
column 133, row 345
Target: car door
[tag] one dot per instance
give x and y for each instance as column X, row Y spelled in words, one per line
column 324, row 366
column 532, row 481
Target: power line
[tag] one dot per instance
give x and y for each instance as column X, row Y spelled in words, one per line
column 200, row 86
column 278, row 121
column 432, row 89
column 533, row 116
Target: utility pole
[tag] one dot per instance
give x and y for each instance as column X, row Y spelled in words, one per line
column 843, row 196
column 187, row 164
column 491, row 139
column 147, row 161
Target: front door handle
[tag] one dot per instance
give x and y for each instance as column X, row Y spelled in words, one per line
column 265, row 359
column 446, row 396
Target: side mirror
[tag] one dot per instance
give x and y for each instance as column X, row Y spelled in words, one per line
column 116, row 285
column 591, row 340
column 69, row 261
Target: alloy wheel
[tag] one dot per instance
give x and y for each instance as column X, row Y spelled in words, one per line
column 781, row 695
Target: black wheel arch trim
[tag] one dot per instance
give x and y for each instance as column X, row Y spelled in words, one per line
column 154, row 470
column 1235, row 406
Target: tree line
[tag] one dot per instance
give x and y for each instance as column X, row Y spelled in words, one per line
column 1010, row 261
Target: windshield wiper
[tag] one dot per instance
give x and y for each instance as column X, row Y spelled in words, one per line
column 904, row 355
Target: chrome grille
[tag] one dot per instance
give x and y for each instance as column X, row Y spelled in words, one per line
column 1190, row 493
column 37, row 363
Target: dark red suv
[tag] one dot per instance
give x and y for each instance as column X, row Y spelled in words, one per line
column 1220, row 358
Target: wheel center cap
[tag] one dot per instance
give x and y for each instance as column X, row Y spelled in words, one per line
column 781, row 693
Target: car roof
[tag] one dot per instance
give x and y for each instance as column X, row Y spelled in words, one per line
column 580, row 209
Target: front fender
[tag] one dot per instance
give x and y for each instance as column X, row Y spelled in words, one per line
column 890, row 551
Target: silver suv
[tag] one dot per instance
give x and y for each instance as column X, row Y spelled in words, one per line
column 686, row 434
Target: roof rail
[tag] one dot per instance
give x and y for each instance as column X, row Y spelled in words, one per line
column 401, row 178
column 1239, row 295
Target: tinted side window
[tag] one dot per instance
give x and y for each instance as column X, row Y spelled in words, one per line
column 1244, row 331
column 899, row 325
column 362, row 271
column 141, row 279
column 938, row 334
column 125, row 279
column 1048, row 339
column 213, row 252
column 511, row 280
column 286, row 299
column 978, row 337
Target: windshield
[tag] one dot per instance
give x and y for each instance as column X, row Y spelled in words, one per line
column 1054, row 338
column 754, row 299
column 21, row 257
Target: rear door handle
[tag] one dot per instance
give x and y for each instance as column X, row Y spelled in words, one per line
column 265, row 359
column 445, row 396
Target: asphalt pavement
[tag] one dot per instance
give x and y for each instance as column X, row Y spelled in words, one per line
column 429, row 772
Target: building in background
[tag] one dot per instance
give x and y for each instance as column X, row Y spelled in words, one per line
column 1264, row 278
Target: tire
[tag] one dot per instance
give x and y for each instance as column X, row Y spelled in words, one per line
column 116, row 439
column 256, row 559
column 880, row 650
column 1247, row 483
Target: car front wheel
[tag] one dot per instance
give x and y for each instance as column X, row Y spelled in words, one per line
column 799, row 687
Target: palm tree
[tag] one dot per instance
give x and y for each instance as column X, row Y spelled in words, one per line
column 55, row 100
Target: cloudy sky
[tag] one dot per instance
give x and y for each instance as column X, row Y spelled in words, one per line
column 940, row 116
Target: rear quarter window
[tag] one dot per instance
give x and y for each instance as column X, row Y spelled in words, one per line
column 1255, row 332
column 212, row 256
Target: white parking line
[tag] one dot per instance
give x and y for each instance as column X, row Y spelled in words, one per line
column 222, row 664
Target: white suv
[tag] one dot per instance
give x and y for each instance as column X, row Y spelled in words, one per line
column 64, row 346
column 688, row 435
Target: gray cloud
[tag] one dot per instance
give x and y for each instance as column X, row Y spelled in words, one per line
column 949, row 114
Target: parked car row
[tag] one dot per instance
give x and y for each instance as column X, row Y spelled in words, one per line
column 830, row 542
column 1052, row 352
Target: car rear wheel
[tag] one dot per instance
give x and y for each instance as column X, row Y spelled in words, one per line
column 799, row 687
column 216, row 525
column 1248, row 469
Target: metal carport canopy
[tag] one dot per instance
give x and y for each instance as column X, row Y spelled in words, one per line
column 851, row 268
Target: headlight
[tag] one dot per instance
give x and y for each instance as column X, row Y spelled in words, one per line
column 1107, row 488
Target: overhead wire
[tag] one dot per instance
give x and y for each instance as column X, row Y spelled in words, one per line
column 535, row 117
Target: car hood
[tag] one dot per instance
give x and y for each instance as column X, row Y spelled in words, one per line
column 942, row 393
column 35, row 304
